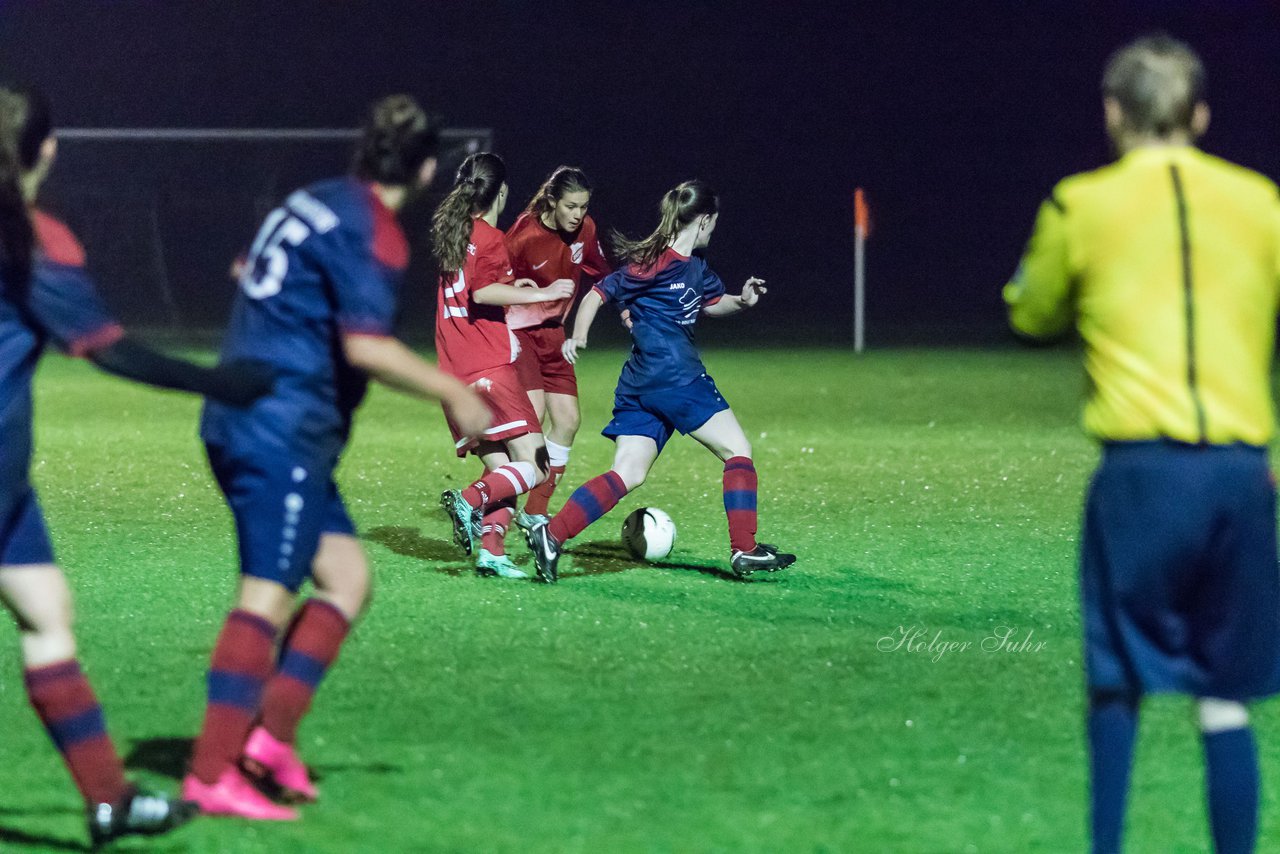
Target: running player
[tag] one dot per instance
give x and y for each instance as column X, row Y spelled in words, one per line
column 664, row 386
column 317, row 300
column 475, row 344
column 46, row 295
column 1166, row 261
column 554, row 238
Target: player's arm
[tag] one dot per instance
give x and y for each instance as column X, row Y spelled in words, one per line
column 587, row 310
column 387, row 360
column 523, row 292
column 728, row 304
column 238, row 383
column 1040, row 297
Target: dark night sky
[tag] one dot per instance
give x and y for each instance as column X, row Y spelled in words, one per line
column 957, row 116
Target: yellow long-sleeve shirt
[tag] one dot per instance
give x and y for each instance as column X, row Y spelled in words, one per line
column 1168, row 260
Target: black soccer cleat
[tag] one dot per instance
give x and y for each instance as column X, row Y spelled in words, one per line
column 466, row 519
column 139, row 814
column 763, row 558
column 546, row 552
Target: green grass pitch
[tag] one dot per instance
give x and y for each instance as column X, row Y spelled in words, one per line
column 640, row 708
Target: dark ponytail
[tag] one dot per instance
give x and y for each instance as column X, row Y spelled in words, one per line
column 24, row 126
column 479, row 179
column 679, row 207
column 398, row 137
column 561, row 182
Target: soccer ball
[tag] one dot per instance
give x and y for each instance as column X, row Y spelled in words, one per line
column 649, row 534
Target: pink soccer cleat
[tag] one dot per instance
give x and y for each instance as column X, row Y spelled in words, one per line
column 233, row 795
column 267, row 757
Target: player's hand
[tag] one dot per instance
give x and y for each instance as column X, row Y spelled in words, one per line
column 557, row 290
column 752, row 291
column 569, row 349
column 626, row 318
column 468, row 412
column 525, row 283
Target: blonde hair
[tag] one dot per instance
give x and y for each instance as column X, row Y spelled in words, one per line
column 679, row 207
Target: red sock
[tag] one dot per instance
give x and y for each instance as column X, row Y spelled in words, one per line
column 71, row 715
column 240, row 667
column 506, row 481
column 540, row 495
column 309, row 650
column 493, row 536
column 588, row 503
column 740, row 502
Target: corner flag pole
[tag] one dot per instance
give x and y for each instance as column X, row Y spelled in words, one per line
column 861, row 227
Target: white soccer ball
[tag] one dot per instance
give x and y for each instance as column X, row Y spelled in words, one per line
column 649, row 534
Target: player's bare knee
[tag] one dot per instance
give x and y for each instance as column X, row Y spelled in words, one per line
column 1214, row 715
column 632, row 475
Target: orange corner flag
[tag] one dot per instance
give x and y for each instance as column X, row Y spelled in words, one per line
column 861, row 216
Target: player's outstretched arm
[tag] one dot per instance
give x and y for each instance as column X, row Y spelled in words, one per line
column 751, row 293
column 587, row 310
column 521, row 294
column 238, row 383
column 391, row 363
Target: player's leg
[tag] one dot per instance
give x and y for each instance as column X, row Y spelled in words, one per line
column 1231, row 773
column 493, row 560
column 310, row 646
column 562, row 420
column 724, row 437
column 1112, row 728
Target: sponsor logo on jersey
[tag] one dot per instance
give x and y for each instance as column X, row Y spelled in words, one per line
column 543, row 264
column 675, row 286
column 311, row 211
column 471, row 249
column 690, row 301
column 575, row 252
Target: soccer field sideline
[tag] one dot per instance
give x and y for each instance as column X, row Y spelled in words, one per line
column 933, row 499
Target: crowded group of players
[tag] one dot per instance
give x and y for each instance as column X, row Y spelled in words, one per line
column 311, row 323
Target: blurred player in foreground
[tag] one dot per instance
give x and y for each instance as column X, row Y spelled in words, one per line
column 664, row 386
column 474, row 344
column 47, row 296
column 554, row 238
column 317, row 300
column 1166, row 260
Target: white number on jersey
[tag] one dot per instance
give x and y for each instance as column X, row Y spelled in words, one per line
column 268, row 261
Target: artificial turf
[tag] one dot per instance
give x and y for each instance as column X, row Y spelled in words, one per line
column 640, row 708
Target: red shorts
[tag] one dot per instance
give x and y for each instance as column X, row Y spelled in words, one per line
column 513, row 414
column 541, row 365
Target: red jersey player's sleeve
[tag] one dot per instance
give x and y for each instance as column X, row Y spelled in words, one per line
column 62, row 297
column 712, row 285
column 594, row 264
column 365, row 266
column 493, row 264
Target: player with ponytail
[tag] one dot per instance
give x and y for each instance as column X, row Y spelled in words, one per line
column 46, row 295
column 664, row 386
column 554, row 238
column 474, row 344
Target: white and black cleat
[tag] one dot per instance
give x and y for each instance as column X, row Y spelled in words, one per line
column 139, row 814
column 526, row 521
column 546, row 552
column 763, row 558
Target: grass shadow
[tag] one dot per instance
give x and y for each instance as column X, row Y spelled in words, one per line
column 603, row 558
column 410, row 543
column 38, row 842
column 164, row 756
column 319, row 772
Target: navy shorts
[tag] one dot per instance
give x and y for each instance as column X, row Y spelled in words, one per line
column 660, row 413
column 24, row 539
column 282, row 506
column 1179, row 577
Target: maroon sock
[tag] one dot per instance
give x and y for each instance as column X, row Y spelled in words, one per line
column 740, row 502
column 493, row 535
column 72, row 716
column 588, row 503
column 506, row 481
column 540, row 495
column 309, row 649
column 240, row 667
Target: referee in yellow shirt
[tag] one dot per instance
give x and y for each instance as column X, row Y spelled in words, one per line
column 1168, row 262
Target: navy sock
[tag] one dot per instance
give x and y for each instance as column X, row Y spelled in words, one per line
column 1113, row 727
column 1231, row 778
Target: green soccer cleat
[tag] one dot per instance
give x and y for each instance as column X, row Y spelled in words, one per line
column 490, row 565
column 466, row 519
column 527, row 521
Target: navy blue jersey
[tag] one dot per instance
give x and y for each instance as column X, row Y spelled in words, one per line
column 58, row 305
column 664, row 301
column 326, row 263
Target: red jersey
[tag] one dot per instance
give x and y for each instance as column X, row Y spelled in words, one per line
column 470, row 337
column 546, row 254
